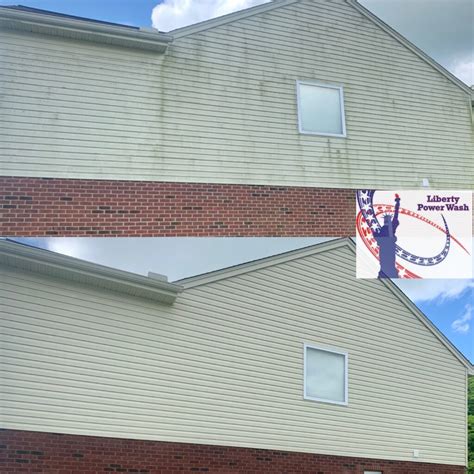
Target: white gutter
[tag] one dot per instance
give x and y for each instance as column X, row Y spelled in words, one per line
column 79, row 29
column 31, row 259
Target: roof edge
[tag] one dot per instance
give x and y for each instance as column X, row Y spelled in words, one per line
column 82, row 29
column 229, row 18
column 24, row 257
column 426, row 321
column 408, row 44
column 347, row 242
column 265, row 262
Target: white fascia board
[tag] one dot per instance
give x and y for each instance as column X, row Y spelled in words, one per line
column 31, row 259
column 83, row 30
column 229, row 18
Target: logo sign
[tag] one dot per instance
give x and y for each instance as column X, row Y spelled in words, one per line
column 414, row 234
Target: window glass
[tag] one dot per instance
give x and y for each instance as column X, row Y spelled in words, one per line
column 325, row 377
column 320, row 109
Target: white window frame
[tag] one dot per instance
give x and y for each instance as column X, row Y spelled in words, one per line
column 346, row 374
column 341, row 100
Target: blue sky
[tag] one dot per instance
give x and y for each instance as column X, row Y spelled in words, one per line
column 445, row 312
column 445, row 302
column 130, row 12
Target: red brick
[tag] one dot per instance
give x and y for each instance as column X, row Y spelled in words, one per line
column 78, row 207
column 28, row 451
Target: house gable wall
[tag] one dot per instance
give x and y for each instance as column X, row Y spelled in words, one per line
column 224, row 364
column 220, row 107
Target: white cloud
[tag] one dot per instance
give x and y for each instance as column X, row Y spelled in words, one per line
column 172, row 14
column 441, row 28
column 464, row 70
column 435, row 290
column 462, row 324
column 176, row 257
column 72, row 247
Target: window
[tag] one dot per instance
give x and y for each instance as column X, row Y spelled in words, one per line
column 321, row 109
column 373, row 472
column 325, row 375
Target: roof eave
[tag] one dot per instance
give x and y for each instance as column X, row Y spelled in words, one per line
column 44, row 262
column 85, row 31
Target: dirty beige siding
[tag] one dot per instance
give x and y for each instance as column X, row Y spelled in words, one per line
column 224, row 365
column 221, row 107
column 76, row 109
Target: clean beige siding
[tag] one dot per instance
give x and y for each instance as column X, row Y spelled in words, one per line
column 224, row 365
column 221, row 107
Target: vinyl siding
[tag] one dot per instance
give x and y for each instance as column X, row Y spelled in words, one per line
column 224, row 364
column 220, row 107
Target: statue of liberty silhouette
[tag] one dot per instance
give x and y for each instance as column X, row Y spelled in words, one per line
column 386, row 238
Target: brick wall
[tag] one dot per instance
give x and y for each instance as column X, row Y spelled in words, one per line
column 76, row 207
column 28, row 452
